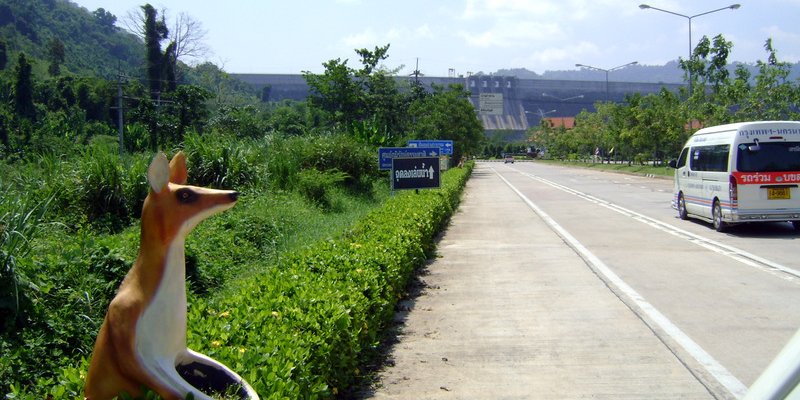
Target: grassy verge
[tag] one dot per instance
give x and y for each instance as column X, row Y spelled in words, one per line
column 301, row 316
column 616, row 167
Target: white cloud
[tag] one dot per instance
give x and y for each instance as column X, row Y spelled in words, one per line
column 362, row 39
column 490, row 9
column 508, row 33
column 546, row 58
column 368, row 38
column 422, row 32
column 776, row 32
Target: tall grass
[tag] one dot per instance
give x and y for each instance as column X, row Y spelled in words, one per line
column 224, row 162
column 20, row 221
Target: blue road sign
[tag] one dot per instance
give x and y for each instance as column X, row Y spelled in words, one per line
column 415, row 173
column 445, row 145
column 386, row 154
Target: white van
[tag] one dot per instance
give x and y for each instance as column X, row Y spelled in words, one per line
column 743, row 172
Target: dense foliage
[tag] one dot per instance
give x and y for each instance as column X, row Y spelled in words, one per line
column 654, row 127
column 68, row 38
column 368, row 104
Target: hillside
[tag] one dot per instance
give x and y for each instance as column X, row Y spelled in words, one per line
column 668, row 73
column 93, row 45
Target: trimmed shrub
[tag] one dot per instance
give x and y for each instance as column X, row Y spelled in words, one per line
column 305, row 328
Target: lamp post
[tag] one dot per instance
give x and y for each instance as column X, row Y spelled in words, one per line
column 580, row 96
column 541, row 114
column 689, row 17
column 606, row 71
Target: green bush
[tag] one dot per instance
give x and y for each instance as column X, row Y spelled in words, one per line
column 316, row 186
column 305, row 328
column 291, row 155
column 222, row 162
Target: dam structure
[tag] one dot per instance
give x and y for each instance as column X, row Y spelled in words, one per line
column 503, row 103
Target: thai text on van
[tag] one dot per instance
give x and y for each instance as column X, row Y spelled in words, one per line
column 770, row 131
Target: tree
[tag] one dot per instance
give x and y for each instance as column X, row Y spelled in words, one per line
column 105, row 18
column 56, row 55
column 169, row 63
column 773, row 97
column 190, row 103
column 154, row 32
column 187, row 33
column 3, row 55
column 367, row 101
column 448, row 115
column 23, row 89
column 189, row 38
column 336, row 92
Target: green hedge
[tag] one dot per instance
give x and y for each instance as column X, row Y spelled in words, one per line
column 304, row 328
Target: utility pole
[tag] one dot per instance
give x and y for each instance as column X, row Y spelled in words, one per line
column 416, row 72
column 120, row 124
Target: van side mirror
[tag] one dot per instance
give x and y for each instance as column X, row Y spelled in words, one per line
column 673, row 163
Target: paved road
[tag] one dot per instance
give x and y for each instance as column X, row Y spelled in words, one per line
column 557, row 283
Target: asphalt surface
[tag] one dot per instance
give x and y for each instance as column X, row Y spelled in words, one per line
column 509, row 311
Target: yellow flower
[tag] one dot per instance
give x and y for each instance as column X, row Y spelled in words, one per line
column 275, row 314
column 241, row 350
column 225, row 314
column 335, row 391
column 216, row 343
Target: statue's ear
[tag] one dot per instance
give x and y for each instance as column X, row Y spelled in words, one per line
column 177, row 169
column 158, row 172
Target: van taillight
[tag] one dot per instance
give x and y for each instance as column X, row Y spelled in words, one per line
column 733, row 190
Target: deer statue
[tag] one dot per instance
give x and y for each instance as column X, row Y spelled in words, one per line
column 142, row 341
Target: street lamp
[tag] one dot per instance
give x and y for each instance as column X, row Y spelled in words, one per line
column 689, row 17
column 607, row 71
column 580, row 96
column 541, row 113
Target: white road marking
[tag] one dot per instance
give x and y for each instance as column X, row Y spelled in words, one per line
column 719, row 372
column 747, row 258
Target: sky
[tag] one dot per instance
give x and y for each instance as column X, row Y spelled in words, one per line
column 459, row 37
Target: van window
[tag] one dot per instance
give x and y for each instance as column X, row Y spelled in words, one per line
column 682, row 158
column 768, row 157
column 710, row 158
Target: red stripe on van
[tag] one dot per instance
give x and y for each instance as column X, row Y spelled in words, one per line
column 761, row 178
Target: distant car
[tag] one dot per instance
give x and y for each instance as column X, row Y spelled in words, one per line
column 508, row 159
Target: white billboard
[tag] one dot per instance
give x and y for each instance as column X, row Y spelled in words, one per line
column 491, row 103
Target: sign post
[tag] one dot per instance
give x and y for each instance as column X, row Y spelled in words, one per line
column 445, row 146
column 415, row 173
column 386, row 154
column 445, row 149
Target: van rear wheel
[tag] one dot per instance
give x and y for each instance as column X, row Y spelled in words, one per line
column 682, row 214
column 716, row 216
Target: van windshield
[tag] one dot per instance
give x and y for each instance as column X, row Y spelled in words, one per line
column 768, row 157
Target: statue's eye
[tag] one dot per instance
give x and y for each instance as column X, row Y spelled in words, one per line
column 186, row 195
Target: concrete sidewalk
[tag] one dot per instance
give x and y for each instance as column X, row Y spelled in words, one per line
column 510, row 312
